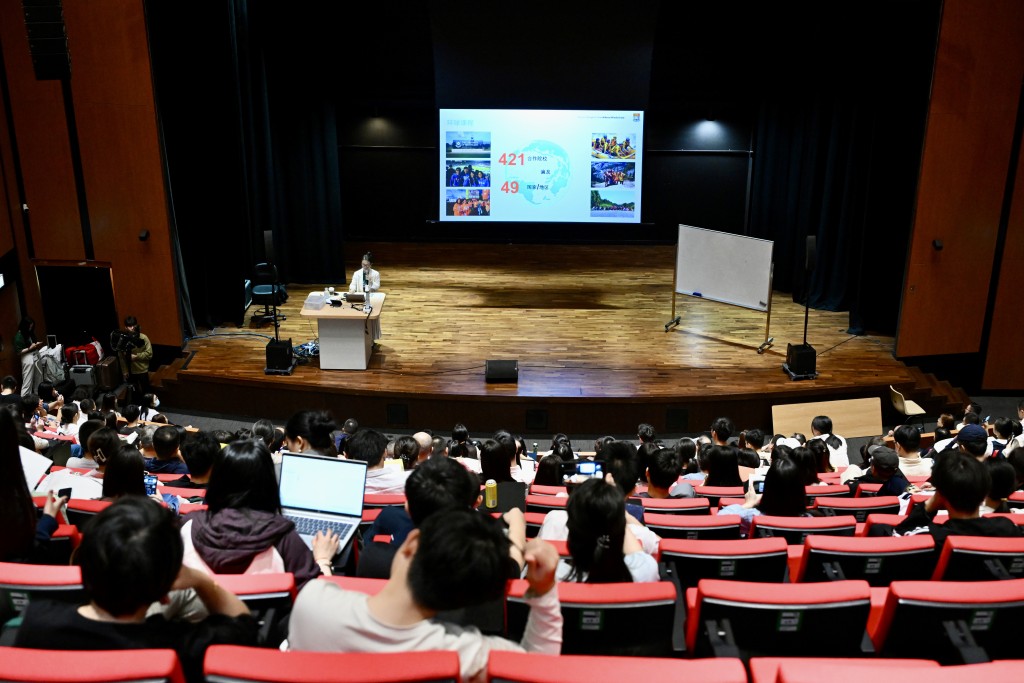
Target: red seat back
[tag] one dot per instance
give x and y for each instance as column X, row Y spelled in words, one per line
column 704, row 527
column 859, row 507
column 796, row 529
column 980, row 558
column 79, row 666
column 535, row 503
column 676, row 506
column 383, row 500
column 878, row 561
column 522, row 667
column 759, row 559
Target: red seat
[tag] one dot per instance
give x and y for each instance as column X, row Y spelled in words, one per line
column 1015, row 517
column 829, row 490
column 545, row 504
column 796, row 529
column 980, row 558
column 604, row 618
column 859, row 507
column 383, row 500
column 876, row 518
column 269, row 598
column 704, row 527
column 878, row 561
column 919, row 618
column 83, row 666
column 868, row 490
column 713, row 493
column 534, row 521
column 522, row 667
column 249, row 664
column 769, row 669
column 541, row 490
column 734, row 618
column 80, row 510
column 760, row 559
column 676, row 506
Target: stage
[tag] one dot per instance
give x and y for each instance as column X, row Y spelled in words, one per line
column 587, row 326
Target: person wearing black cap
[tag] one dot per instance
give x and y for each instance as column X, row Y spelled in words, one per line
column 972, row 440
column 885, row 470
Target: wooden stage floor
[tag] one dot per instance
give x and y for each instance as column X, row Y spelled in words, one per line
column 587, row 325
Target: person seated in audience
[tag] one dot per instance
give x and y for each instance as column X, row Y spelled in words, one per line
column 101, row 445
column 821, row 428
column 131, row 417
column 699, row 464
column 271, row 436
column 33, row 418
column 199, row 453
column 455, row 559
column 438, row 447
column 348, row 428
column 549, row 471
column 25, row 537
column 784, row 495
column 494, row 461
column 602, row 546
column 943, row 440
column 147, row 409
column 1004, row 482
column 908, row 448
column 460, row 453
column 168, row 459
column 757, row 441
column 242, row 531
column 663, row 473
column 804, row 457
column 309, row 431
column 599, row 444
column 108, row 404
column 369, row 446
column 972, row 439
column 722, row 430
column 122, row 580
column 1018, row 439
column 84, row 459
column 407, row 451
column 620, row 465
column 961, row 485
column 460, row 436
column 885, row 470
column 864, row 466
column 521, row 467
column 821, row 457
column 645, row 433
column 69, row 420
column 1005, row 431
column 124, row 475
column 159, row 419
column 425, row 443
column 972, row 415
column 9, row 390
column 646, row 451
column 723, row 467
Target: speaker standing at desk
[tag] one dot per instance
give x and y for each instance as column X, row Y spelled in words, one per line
column 366, row 280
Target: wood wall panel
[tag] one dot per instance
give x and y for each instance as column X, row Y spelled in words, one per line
column 1004, row 369
column 39, row 124
column 971, row 117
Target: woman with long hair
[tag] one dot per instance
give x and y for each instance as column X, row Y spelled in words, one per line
column 243, row 531
column 602, row 548
column 784, row 494
column 723, row 467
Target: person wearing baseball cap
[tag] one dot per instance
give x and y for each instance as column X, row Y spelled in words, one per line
column 972, row 440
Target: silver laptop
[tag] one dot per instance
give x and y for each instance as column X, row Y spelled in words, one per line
column 320, row 493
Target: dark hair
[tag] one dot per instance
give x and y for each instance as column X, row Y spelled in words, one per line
column 109, row 419
column 971, row 418
column 784, row 494
column 754, row 438
column 108, row 403
column 407, row 449
column 1004, row 481
column 68, row 413
column 123, row 475
column 85, row 432
column 799, row 437
column 103, row 444
column 9, row 382
column 821, row 456
column 494, row 461
column 166, row 441
column 804, row 458
column 367, row 445
column 265, row 431
column 867, row 448
column 440, row 484
column 908, row 438
column 1004, row 428
column 17, row 509
column 645, row 432
column 46, row 391
column 723, row 467
column 943, row 433
column 26, row 327
column 437, row 446
column 87, row 405
column 564, row 451
column 315, row 426
column 620, row 459
column 242, row 476
column 723, row 428
column 505, row 438
column 459, row 433
column 664, row 468
column 131, row 321
column 350, row 427
column 973, row 407
column 131, row 412
column 462, row 559
column 130, row 555
column 976, row 447
column 646, row 452
column 199, row 452
column 599, row 444
column 962, row 481
column 80, row 394
column 597, row 527
column 822, row 424
column 686, row 449
column 368, row 256
column 549, row 471
column 28, row 406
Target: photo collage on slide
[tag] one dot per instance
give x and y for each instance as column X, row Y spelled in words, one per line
column 467, row 173
column 613, row 174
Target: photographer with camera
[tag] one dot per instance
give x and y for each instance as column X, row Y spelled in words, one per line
column 134, row 351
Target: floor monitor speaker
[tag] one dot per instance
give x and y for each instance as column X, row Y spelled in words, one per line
column 501, row 370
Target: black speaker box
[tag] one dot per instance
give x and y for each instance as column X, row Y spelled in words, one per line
column 279, row 354
column 501, row 370
column 801, row 359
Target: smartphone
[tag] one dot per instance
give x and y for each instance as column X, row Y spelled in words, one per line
column 150, row 480
column 759, row 486
column 51, row 341
column 64, row 493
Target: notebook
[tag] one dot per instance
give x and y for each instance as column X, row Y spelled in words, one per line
column 321, row 493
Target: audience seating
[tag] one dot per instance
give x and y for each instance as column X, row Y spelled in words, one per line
column 980, row 558
column 62, row 544
column 534, row 521
column 79, row 510
column 83, row 666
column 633, row 619
column 829, row 490
column 953, row 622
column 383, row 500
column 1014, row 517
column 796, row 529
column 369, row 517
column 234, row 664
column 269, row 598
column 875, row 518
column 545, row 504
column 541, row 490
column 741, row 618
column 694, row 527
column 522, row 667
column 878, row 561
column 759, row 559
column 860, row 508
column 713, row 493
column 20, row 583
column 769, row 669
column 676, row 506
column 867, row 490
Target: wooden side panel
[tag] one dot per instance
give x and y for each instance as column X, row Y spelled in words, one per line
column 115, row 110
column 1004, row 369
column 979, row 66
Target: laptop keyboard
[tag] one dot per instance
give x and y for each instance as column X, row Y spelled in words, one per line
column 309, row 526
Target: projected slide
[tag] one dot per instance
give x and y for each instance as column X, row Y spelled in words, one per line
column 541, row 165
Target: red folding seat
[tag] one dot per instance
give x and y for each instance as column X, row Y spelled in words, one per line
column 876, row 518
column 796, row 529
column 829, row 490
column 704, row 527
column 269, row 598
column 713, row 493
column 759, row 559
column 675, row 506
column 878, row 561
column 541, row 490
column 21, row 583
column 383, row 500
column 980, row 558
column 80, row 510
column 522, row 667
column 859, row 507
column 83, row 666
column 770, row 669
column 545, row 504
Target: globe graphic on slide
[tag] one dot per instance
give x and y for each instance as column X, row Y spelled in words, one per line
column 544, row 174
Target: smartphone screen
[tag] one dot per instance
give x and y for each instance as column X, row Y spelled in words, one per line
column 150, row 481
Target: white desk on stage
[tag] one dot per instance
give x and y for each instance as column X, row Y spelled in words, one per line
column 346, row 333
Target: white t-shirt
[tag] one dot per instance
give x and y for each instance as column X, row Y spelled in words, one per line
column 327, row 618
column 387, row 481
column 642, row 567
column 556, row 528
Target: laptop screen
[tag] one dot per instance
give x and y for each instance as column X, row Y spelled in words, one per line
column 319, row 484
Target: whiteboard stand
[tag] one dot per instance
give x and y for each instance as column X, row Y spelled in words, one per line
column 768, row 342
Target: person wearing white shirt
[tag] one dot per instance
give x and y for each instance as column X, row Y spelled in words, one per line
column 821, row 428
column 367, row 280
column 371, row 446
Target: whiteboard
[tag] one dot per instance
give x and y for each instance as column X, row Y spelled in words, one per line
column 732, row 269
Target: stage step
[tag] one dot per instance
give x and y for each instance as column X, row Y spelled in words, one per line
column 935, row 395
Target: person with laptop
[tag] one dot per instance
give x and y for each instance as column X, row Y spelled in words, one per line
column 243, row 530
